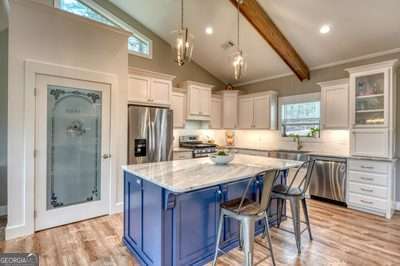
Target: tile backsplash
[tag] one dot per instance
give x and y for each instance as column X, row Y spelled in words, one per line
column 333, row 141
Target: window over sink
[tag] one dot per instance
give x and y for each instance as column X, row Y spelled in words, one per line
column 300, row 115
column 138, row 44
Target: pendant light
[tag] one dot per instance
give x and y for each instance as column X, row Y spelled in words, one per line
column 238, row 59
column 184, row 43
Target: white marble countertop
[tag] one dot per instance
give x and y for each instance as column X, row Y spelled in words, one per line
column 192, row 174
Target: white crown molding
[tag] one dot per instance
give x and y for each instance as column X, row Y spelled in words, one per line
column 336, row 63
column 240, row 84
column 186, row 83
column 145, row 72
column 385, row 64
column 333, row 82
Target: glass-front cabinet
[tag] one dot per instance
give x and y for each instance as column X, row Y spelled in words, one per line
column 370, row 93
column 373, row 109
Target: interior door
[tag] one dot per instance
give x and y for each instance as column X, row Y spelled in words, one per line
column 72, row 171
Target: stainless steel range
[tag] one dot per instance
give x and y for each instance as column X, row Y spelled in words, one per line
column 200, row 149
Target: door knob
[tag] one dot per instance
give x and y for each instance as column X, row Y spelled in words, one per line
column 106, row 156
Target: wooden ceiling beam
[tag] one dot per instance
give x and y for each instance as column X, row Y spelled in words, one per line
column 260, row 20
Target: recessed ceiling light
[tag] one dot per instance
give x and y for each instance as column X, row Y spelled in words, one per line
column 325, row 29
column 209, row 30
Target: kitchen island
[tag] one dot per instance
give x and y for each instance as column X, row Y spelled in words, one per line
column 171, row 208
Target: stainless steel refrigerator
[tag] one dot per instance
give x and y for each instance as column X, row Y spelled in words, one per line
column 150, row 135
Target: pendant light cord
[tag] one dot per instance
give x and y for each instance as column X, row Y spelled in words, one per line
column 181, row 14
column 238, row 25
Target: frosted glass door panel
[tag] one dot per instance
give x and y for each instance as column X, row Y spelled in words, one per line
column 73, row 146
column 370, row 99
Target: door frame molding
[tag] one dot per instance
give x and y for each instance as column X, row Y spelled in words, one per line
column 33, row 68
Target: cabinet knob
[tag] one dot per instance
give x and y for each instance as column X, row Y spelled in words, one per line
column 106, row 156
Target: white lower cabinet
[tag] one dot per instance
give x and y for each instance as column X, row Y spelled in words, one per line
column 370, row 186
column 370, row 142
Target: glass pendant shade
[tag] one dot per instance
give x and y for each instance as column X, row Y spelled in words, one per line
column 183, row 46
column 239, row 64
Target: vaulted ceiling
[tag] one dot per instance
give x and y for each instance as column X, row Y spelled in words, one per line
column 359, row 27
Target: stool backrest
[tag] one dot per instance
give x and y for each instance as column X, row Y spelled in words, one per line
column 305, row 179
column 269, row 178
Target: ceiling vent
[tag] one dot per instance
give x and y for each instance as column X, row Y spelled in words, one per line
column 227, row 45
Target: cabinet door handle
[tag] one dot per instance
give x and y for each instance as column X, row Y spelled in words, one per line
column 367, row 202
column 367, row 167
column 367, row 190
column 138, row 181
column 366, row 178
column 106, row 156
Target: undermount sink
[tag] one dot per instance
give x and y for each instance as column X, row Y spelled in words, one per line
column 289, row 155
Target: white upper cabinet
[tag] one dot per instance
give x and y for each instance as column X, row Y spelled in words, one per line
column 246, row 112
column 198, row 100
column 258, row 111
column 229, row 108
column 149, row 88
column 335, row 104
column 373, row 109
column 160, row 91
column 216, row 112
column 178, row 105
column 138, row 89
column 262, row 112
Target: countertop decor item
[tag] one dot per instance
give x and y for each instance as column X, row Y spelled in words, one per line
column 222, row 157
column 229, row 138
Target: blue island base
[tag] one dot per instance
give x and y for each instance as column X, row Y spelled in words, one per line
column 164, row 228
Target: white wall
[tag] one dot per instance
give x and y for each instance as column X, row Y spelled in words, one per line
column 3, row 119
column 39, row 32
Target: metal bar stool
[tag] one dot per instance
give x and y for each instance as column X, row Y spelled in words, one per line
column 248, row 212
column 295, row 194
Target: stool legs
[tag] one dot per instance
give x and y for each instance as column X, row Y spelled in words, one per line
column 269, row 238
column 295, row 208
column 248, row 240
column 305, row 210
column 219, row 233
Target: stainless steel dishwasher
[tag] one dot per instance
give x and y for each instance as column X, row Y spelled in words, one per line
column 328, row 180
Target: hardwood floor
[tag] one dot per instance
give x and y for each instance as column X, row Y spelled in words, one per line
column 341, row 237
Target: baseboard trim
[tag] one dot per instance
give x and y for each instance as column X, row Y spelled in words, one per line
column 3, row 210
column 18, row 231
column 118, row 208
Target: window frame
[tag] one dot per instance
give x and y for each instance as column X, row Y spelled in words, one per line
column 104, row 12
column 294, row 99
